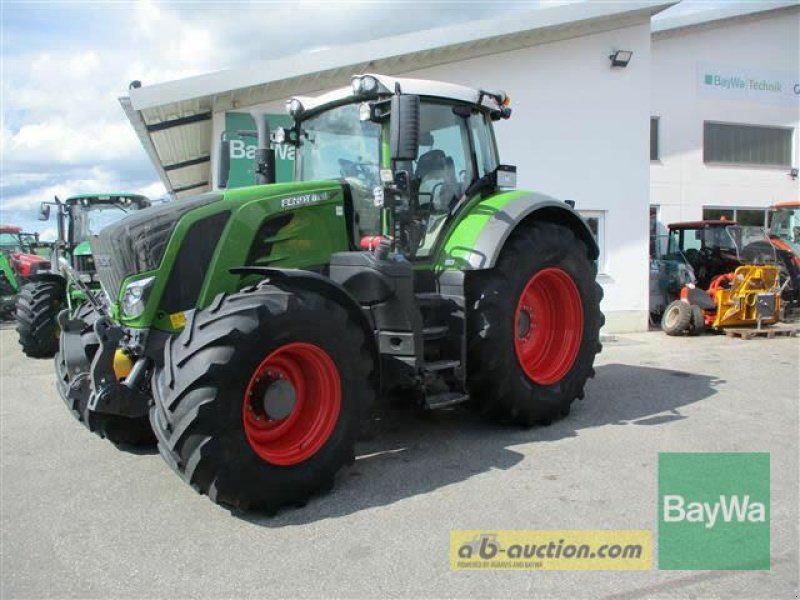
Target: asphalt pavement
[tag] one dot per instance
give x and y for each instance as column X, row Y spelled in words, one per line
column 82, row 518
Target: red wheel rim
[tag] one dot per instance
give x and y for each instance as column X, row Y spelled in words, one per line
column 316, row 391
column 548, row 326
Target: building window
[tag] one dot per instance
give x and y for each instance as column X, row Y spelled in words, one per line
column 747, row 217
column 732, row 144
column 654, row 153
column 719, row 214
column 596, row 220
column 654, row 208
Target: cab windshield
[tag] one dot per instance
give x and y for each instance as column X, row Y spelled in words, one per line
column 336, row 144
column 10, row 242
column 90, row 219
column 785, row 225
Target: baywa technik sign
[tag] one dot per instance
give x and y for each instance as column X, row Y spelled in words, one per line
column 748, row 84
column 243, row 149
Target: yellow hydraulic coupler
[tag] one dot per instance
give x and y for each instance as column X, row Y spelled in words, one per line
column 122, row 364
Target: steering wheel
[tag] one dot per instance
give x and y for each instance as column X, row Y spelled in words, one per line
column 363, row 171
column 706, row 253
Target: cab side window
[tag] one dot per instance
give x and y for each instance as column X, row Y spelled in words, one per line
column 443, row 169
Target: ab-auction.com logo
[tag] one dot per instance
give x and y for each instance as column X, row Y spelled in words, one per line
column 713, row 511
column 550, row 549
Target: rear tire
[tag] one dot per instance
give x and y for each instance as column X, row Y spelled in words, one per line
column 677, row 318
column 203, row 410
column 507, row 380
column 38, row 305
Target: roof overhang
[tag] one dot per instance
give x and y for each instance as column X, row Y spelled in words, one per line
column 734, row 11
column 174, row 119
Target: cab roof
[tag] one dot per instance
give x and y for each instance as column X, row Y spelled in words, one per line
column 109, row 196
column 10, row 229
column 387, row 86
column 701, row 224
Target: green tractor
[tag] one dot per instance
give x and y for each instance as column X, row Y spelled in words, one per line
column 49, row 291
column 251, row 329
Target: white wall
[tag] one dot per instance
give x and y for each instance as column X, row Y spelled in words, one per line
column 580, row 131
column 681, row 184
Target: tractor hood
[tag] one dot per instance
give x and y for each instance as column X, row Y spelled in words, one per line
column 28, row 265
column 182, row 254
column 137, row 242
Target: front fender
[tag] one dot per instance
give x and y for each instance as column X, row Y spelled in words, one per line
column 314, row 282
column 479, row 236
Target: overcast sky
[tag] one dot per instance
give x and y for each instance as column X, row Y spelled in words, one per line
column 65, row 63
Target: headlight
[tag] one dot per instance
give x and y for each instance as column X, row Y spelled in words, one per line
column 364, row 112
column 135, row 295
column 364, row 85
column 294, row 107
column 369, row 84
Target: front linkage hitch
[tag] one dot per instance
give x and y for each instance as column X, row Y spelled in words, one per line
column 108, row 394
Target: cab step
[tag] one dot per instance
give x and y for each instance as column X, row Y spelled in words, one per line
column 445, row 400
column 435, row 332
column 441, row 365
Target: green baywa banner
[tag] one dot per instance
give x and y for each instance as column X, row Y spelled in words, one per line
column 243, row 148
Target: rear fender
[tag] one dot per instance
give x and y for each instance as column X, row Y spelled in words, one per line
column 478, row 238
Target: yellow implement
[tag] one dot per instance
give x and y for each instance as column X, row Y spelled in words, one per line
column 753, row 297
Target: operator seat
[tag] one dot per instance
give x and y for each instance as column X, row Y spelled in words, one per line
column 436, row 174
column 430, row 175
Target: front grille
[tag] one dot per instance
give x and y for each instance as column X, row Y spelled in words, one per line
column 137, row 243
column 109, row 270
column 84, row 264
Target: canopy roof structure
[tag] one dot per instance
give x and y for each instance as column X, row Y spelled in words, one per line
column 174, row 120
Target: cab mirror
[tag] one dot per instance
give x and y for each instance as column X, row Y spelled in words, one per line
column 44, row 211
column 404, row 127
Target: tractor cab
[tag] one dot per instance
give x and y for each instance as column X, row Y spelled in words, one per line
column 784, row 224
column 709, row 247
column 411, row 152
column 79, row 217
column 10, row 239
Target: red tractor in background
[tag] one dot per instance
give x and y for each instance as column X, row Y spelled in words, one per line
column 18, row 264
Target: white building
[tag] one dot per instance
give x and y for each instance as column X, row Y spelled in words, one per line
column 579, row 129
column 725, row 98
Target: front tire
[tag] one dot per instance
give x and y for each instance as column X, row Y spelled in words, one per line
column 212, row 414
column 37, row 307
column 533, row 326
column 75, row 389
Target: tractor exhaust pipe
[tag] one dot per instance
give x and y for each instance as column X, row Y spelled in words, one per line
column 265, row 156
